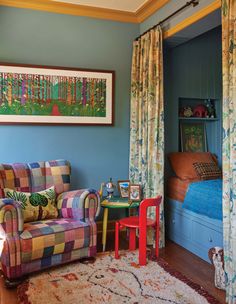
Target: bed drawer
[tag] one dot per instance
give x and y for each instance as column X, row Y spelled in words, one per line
column 192, row 231
column 205, row 236
column 179, row 224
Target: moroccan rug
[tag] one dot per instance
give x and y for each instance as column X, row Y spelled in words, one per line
column 107, row 280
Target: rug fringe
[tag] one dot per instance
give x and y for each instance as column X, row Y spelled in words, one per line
column 199, row 289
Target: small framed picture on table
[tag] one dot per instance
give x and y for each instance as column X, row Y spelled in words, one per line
column 135, row 192
column 123, row 187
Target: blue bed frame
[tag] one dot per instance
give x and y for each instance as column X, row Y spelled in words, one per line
column 195, row 232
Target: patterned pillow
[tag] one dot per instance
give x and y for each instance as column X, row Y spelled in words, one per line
column 207, row 170
column 35, row 206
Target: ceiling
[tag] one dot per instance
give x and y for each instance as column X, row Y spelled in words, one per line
column 121, row 5
column 203, row 25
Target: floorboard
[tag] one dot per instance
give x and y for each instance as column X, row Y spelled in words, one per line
column 180, row 259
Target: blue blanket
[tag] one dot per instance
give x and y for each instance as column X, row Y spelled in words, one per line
column 205, row 198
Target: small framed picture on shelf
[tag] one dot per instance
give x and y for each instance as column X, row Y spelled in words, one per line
column 193, row 137
column 135, row 192
column 123, row 187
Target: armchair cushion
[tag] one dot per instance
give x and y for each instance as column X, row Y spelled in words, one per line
column 35, row 206
column 43, row 239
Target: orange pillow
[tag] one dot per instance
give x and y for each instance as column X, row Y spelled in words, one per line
column 182, row 163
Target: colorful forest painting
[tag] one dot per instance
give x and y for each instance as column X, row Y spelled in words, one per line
column 52, row 95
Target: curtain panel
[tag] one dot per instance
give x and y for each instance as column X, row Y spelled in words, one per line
column 146, row 164
column 229, row 144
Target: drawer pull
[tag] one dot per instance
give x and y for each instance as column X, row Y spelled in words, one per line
column 210, row 239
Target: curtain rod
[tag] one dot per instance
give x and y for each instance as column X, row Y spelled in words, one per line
column 192, row 2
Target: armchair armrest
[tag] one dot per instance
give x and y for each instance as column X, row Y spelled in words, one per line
column 11, row 218
column 83, row 204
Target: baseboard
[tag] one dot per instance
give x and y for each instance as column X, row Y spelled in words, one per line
column 110, row 226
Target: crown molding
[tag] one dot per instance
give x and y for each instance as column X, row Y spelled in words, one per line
column 149, row 8
column 72, row 9
column 193, row 18
column 140, row 15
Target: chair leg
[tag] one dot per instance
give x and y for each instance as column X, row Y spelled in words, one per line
column 157, row 233
column 132, row 239
column 117, row 240
column 157, row 241
column 142, row 246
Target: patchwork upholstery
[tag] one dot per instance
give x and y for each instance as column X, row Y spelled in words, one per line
column 58, row 175
column 77, row 204
column 30, row 247
column 45, row 238
column 15, row 176
column 37, row 173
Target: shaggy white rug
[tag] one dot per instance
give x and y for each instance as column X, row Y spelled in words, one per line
column 107, row 280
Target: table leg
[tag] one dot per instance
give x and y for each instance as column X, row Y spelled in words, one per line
column 104, row 230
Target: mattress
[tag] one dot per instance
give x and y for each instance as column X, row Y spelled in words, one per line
column 177, row 188
column 205, row 197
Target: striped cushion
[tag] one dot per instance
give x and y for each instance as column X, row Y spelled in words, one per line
column 45, row 238
column 207, row 171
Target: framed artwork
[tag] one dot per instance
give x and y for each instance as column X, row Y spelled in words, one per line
column 123, row 187
column 193, row 137
column 55, row 95
column 135, row 192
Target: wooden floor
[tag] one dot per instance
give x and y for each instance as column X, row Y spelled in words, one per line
column 180, row 259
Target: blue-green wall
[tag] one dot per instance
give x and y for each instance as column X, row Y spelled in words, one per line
column 35, row 37
column 193, row 70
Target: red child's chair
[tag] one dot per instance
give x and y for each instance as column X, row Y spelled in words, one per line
column 140, row 222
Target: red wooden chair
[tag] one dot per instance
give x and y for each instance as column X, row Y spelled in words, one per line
column 140, row 222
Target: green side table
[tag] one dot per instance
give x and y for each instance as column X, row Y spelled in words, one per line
column 114, row 203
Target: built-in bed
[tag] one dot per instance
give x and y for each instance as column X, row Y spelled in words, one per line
column 194, row 210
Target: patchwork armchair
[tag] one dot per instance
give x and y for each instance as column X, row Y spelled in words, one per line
column 26, row 247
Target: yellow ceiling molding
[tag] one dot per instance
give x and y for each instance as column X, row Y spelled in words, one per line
column 149, row 8
column 72, row 9
column 146, row 10
column 192, row 19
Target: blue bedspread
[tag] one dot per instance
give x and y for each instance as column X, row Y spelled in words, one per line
column 205, row 198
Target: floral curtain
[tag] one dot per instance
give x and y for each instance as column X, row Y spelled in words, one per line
column 229, row 144
column 146, row 165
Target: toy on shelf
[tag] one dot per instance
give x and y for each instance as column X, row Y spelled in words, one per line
column 186, row 112
column 211, row 113
column 200, row 111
